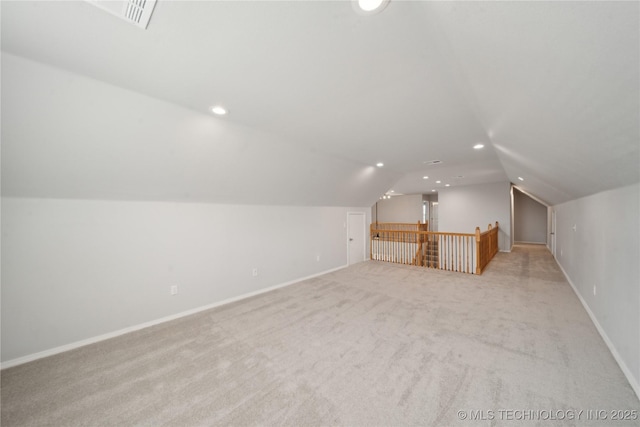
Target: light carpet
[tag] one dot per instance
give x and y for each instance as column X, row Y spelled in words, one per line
column 375, row 344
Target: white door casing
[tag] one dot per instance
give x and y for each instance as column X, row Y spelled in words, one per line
column 355, row 237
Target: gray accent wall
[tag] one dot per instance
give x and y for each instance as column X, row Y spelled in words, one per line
column 462, row 209
column 598, row 247
column 406, row 208
column 76, row 269
column 530, row 219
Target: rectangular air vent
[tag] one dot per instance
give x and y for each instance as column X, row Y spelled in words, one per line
column 136, row 12
column 432, row 162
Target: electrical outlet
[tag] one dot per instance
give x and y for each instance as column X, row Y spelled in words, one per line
column 254, row 272
column 173, row 289
column 594, row 290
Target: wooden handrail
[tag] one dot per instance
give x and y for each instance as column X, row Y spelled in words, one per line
column 427, row 233
column 409, row 224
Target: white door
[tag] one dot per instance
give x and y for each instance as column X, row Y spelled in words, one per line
column 356, row 237
column 433, row 221
column 553, row 233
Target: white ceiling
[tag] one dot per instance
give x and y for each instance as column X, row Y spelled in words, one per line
column 550, row 88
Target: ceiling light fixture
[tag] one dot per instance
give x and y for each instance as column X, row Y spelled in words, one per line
column 447, row 185
column 425, row 177
column 521, row 178
column 434, row 190
column 369, row 7
column 478, row 146
column 220, row 111
column 380, row 164
column 438, row 182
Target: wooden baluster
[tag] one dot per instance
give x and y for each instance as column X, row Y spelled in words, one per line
column 444, row 251
column 403, row 247
column 478, row 268
column 371, row 235
column 468, row 254
column 453, row 253
column 457, row 253
column 449, row 238
column 395, row 246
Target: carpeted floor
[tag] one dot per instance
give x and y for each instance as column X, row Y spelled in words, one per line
column 372, row 344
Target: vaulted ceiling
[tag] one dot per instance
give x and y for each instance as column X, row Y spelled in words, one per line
column 317, row 95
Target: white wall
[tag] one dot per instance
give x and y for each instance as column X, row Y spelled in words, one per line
column 66, row 136
column 407, row 209
column 73, row 269
column 601, row 259
column 530, row 219
column 462, row 209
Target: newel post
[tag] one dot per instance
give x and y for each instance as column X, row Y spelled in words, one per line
column 478, row 269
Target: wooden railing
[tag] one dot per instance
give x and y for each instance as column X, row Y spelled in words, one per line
column 399, row 246
column 487, row 246
column 408, row 244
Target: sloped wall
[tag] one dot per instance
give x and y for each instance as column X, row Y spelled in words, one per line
column 69, row 136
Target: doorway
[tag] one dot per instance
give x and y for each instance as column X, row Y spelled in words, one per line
column 433, row 220
column 553, row 233
column 356, row 235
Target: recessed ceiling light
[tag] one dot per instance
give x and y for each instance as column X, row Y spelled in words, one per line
column 447, row 185
column 438, row 182
column 368, row 7
column 434, row 190
column 478, row 146
column 521, row 178
column 380, row 164
column 425, row 177
column 220, row 111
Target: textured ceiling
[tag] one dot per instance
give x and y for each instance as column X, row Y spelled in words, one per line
column 550, row 88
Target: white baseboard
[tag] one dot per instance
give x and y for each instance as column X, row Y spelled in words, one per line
column 625, row 370
column 93, row 340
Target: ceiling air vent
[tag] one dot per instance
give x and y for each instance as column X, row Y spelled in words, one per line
column 432, row 162
column 136, row 12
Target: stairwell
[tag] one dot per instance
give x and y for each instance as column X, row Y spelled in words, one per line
column 430, row 254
